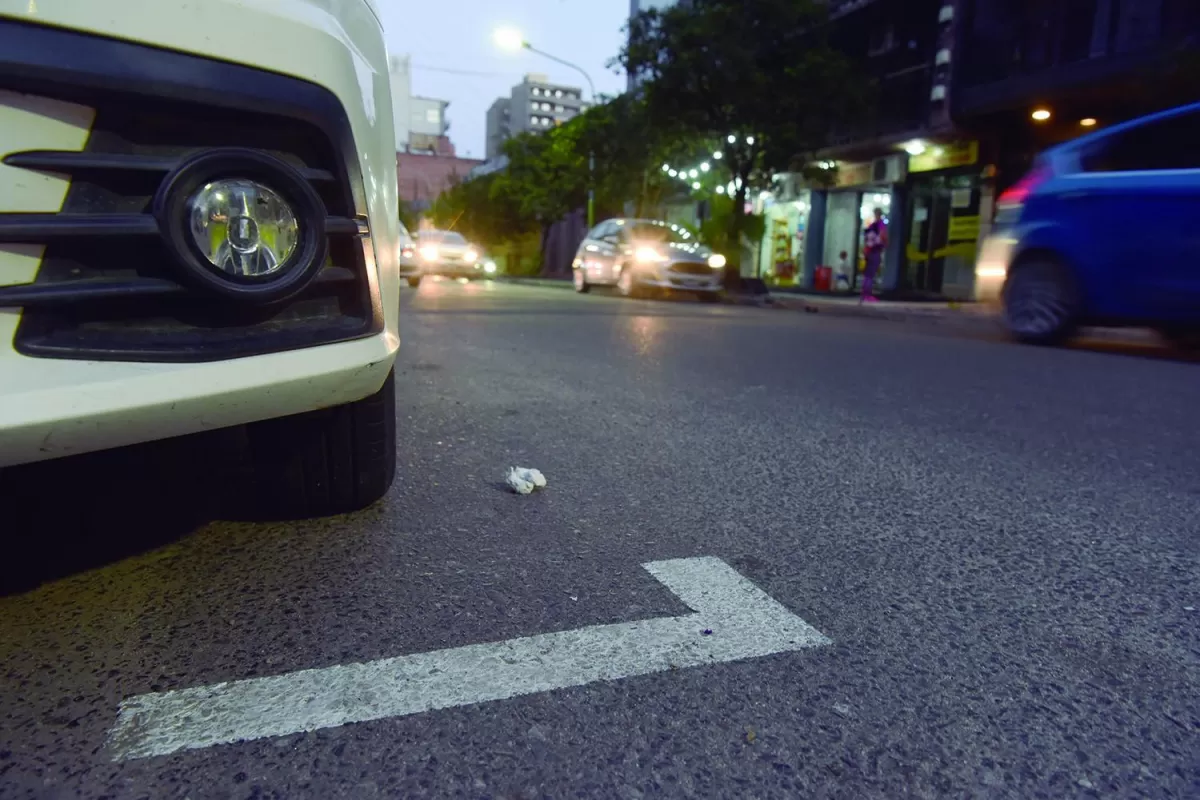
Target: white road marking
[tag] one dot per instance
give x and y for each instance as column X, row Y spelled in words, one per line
column 733, row 620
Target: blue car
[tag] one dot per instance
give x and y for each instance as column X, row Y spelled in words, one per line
column 1105, row 230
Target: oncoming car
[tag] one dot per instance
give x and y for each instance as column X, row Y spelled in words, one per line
column 199, row 230
column 448, row 253
column 637, row 254
column 411, row 268
column 1102, row 231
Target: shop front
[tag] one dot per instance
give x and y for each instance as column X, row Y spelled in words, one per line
column 849, row 207
column 946, row 202
column 785, row 224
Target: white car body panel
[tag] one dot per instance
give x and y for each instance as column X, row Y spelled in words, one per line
column 54, row 407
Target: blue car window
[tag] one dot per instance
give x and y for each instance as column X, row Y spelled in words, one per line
column 1167, row 144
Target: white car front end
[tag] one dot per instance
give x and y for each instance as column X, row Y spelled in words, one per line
column 115, row 117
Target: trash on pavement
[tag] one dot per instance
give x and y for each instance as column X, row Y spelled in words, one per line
column 524, row 480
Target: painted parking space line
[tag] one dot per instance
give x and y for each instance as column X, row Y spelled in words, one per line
column 733, row 620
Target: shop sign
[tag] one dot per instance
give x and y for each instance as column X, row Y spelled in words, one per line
column 957, row 154
column 964, row 229
column 853, row 174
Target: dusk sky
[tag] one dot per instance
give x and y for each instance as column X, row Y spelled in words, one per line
column 453, row 57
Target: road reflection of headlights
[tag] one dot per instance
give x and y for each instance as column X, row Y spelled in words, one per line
column 648, row 255
column 471, row 256
column 716, row 261
column 429, row 253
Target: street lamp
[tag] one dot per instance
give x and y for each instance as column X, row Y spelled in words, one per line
column 511, row 39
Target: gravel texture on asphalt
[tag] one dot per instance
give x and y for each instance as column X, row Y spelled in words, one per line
column 1000, row 541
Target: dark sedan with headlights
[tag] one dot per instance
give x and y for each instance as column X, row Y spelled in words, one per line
column 448, row 253
column 639, row 254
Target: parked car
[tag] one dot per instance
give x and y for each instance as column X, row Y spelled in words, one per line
column 197, row 235
column 448, row 253
column 1102, row 231
column 638, row 254
column 411, row 268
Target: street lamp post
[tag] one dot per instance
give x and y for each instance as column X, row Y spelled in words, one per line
column 511, row 39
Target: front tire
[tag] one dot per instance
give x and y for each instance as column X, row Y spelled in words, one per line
column 1041, row 302
column 332, row 461
column 626, row 285
column 415, row 281
column 579, row 278
column 1184, row 337
column 707, row 297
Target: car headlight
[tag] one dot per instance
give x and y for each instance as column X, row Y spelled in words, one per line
column 716, row 261
column 489, row 267
column 471, row 256
column 242, row 224
column 429, row 252
column 648, row 255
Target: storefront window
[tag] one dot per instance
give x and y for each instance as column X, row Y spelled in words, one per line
column 841, row 237
column 781, row 258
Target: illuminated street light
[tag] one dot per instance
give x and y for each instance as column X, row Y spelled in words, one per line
column 1088, row 122
column 666, row 167
column 693, row 174
column 1040, row 114
column 749, row 140
column 672, row 173
column 720, row 190
column 508, row 38
column 731, row 138
column 718, row 155
column 696, row 185
column 705, row 167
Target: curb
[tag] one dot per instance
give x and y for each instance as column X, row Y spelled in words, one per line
column 975, row 319
column 545, row 283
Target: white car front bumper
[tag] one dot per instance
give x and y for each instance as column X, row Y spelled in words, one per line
column 86, row 373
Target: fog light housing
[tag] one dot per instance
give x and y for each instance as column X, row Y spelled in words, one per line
column 244, row 228
column 242, row 225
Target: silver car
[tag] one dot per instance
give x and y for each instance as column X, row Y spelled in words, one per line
column 638, row 254
column 448, row 253
column 410, row 267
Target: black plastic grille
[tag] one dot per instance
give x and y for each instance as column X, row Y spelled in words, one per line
column 106, row 288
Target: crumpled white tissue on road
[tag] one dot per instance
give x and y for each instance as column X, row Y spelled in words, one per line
column 524, row 480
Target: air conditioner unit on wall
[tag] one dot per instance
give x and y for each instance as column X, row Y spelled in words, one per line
column 889, row 169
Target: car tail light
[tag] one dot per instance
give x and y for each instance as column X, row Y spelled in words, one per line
column 1019, row 192
column 407, row 252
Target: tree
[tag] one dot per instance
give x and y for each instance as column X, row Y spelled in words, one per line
column 753, row 78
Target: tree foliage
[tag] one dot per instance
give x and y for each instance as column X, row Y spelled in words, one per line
column 548, row 174
column 756, row 71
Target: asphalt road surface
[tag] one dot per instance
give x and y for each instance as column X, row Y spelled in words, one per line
column 937, row 567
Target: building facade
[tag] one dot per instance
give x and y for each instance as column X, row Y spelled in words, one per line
column 421, row 177
column 421, row 123
column 535, row 104
column 953, row 124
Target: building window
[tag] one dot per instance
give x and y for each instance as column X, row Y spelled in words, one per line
column 433, row 115
column 535, row 91
column 558, row 93
column 533, row 120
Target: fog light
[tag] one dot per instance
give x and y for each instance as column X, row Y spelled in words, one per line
column 243, row 227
